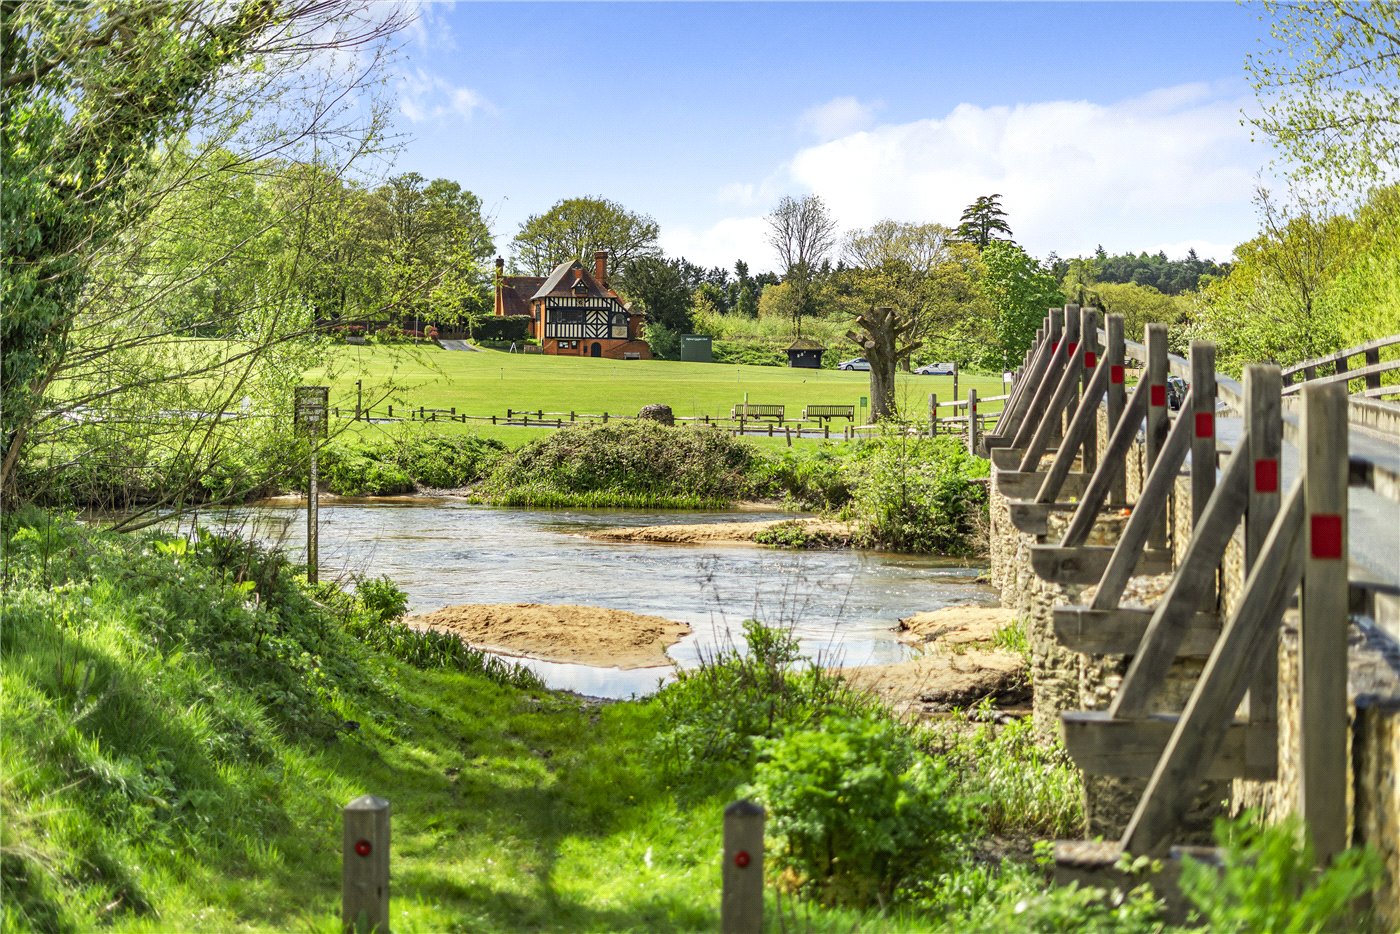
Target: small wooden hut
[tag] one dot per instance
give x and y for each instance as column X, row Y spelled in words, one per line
column 805, row 353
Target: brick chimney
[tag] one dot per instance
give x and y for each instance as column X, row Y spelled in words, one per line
column 600, row 266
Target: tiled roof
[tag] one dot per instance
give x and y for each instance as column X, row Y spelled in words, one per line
column 803, row 343
column 516, row 292
column 561, row 282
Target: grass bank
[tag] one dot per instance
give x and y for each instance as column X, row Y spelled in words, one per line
column 183, row 722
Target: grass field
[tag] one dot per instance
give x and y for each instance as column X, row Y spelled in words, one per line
column 490, row 382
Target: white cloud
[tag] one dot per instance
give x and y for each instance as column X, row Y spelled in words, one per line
column 838, row 116
column 722, row 243
column 1172, row 165
column 428, row 97
column 1168, row 170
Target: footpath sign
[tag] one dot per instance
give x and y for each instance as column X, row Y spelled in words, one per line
column 310, row 408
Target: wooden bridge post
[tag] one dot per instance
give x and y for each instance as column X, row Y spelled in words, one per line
column 1322, row 637
column 1114, row 356
column 1158, row 420
column 741, row 899
column 1071, row 354
column 972, row 421
column 1039, row 394
column 1089, row 331
column 1264, row 424
column 1203, row 427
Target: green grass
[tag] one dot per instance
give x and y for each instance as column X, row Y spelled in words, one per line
column 490, row 382
column 177, row 751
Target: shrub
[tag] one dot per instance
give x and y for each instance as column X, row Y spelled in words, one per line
column 920, row 495
column 1269, row 883
column 713, row 713
column 1026, row 784
column 504, row 328
column 381, row 599
column 784, row 535
column 447, row 462
column 635, row 463
column 856, row 811
column 818, row 478
column 360, row 474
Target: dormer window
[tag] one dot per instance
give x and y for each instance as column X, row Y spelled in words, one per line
column 580, row 287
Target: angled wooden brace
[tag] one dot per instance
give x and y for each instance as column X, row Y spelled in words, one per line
column 1031, row 382
column 1064, row 392
column 1059, row 354
column 1200, row 731
column 1112, row 567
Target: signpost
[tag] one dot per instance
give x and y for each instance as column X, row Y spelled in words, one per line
column 310, row 406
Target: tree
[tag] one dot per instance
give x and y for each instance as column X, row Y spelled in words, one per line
column 982, row 220
column 1329, row 89
column 659, row 287
column 95, row 99
column 1019, row 292
column 885, row 340
column 892, row 264
column 575, row 228
column 803, row 233
column 434, row 249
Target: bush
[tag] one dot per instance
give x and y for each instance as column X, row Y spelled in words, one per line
column 1269, row 883
column 920, row 495
column 448, row 462
column 633, row 463
column 713, row 713
column 856, row 811
column 819, row 479
column 503, row 328
column 784, row 535
column 360, row 474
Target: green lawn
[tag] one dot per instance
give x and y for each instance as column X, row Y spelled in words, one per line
column 491, row 382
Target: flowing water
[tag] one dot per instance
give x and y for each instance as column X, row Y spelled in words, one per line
column 843, row 605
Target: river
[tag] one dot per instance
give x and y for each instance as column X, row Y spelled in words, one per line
column 842, row 604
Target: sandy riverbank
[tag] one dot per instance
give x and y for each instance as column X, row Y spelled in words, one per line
column 581, row 635
column 822, row 531
column 958, row 667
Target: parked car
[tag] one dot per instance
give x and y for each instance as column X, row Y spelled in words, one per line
column 1176, row 392
column 859, row 363
column 935, row 369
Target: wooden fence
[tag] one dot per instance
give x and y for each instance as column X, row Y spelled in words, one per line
column 1046, row 452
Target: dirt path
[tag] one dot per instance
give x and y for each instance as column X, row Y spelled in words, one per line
column 582, row 635
column 958, row 667
column 821, row 531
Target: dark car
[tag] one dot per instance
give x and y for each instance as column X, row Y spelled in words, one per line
column 1176, row 392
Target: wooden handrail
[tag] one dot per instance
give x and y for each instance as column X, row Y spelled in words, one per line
column 1376, row 344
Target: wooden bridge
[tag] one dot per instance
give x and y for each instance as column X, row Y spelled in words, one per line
column 1286, row 518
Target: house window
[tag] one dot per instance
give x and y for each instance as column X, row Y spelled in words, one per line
column 619, row 325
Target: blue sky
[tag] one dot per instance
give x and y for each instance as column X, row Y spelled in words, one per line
column 1112, row 123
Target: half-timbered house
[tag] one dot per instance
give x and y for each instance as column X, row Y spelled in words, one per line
column 573, row 311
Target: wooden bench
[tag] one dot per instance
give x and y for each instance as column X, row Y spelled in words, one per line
column 746, row 411
column 824, row 412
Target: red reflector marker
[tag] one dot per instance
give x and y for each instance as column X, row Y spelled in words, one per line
column 1326, row 536
column 1115, row 374
column 1266, row 475
column 1205, row 424
column 741, row 859
column 363, row 847
column 1159, row 395
column 1090, row 358
column 1073, row 346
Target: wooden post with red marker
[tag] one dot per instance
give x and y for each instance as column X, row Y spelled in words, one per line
column 741, row 903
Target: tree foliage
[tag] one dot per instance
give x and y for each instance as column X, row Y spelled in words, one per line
column 659, row 287
column 1018, row 291
column 1329, row 89
column 983, row 221
column 97, row 100
column 575, row 228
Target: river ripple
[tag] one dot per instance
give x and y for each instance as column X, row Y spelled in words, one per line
column 842, row 604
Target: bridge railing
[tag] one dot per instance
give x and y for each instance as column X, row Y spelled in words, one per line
column 1371, row 369
column 1048, row 460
